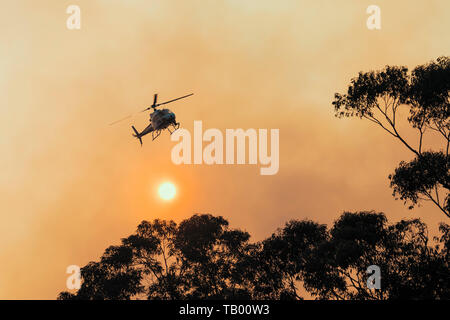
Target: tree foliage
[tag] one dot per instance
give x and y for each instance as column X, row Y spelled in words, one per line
column 202, row 258
column 377, row 97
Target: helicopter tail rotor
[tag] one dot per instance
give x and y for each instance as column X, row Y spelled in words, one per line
column 136, row 134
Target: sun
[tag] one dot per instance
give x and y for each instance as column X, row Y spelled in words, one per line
column 167, row 191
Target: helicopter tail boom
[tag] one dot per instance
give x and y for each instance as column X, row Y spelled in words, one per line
column 136, row 134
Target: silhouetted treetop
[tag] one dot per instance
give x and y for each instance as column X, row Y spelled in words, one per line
column 425, row 92
column 201, row 258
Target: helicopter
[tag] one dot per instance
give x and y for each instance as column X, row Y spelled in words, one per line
column 160, row 119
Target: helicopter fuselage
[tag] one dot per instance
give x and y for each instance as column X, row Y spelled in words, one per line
column 160, row 119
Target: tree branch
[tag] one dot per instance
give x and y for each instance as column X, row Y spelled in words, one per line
column 436, row 203
column 395, row 132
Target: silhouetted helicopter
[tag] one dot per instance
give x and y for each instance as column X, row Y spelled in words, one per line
column 160, row 119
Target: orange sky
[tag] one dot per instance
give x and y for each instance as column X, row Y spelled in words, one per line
column 71, row 185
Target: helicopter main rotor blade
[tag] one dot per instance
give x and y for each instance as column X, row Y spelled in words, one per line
column 159, row 104
column 154, row 105
column 127, row 117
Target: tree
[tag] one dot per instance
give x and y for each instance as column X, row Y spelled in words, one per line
column 201, row 258
column 377, row 97
column 280, row 263
column 195, row 260
column 332, row 264
column 210, row 254
column 410, row 268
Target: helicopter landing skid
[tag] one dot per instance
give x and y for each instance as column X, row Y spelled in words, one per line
column 175, row 126
column 155, row 135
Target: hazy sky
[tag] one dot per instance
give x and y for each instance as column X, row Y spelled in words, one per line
column 71, row 185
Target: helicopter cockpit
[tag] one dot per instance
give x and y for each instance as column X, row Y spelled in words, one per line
column 162, row 118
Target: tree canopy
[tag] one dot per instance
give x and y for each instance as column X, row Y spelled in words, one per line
column 377, row 96
column 202, row 258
